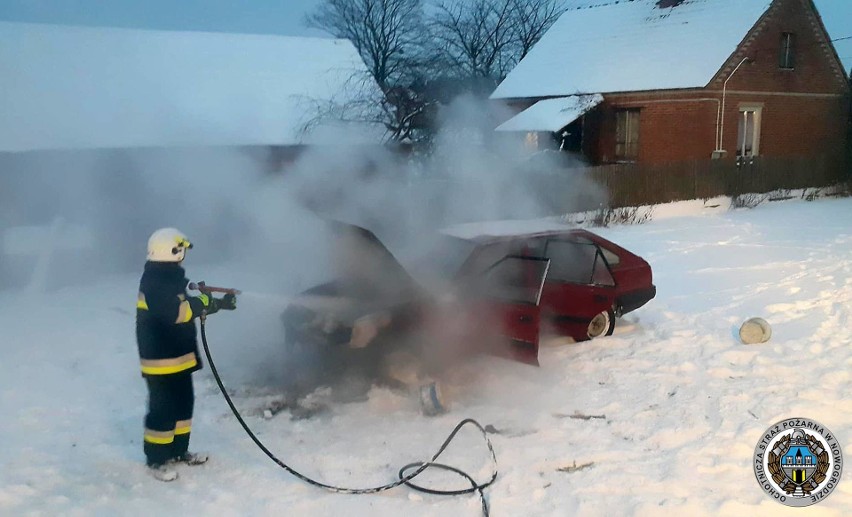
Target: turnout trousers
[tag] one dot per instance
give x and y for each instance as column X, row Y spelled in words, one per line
column 169, row 419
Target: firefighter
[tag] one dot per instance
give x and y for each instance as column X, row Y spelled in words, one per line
column 168, row 350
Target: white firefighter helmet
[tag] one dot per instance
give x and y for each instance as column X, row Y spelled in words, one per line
column 167, row 245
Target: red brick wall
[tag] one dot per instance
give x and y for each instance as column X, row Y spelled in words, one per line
column 790, row 125
column 804, row 111
column 815, row 70
column 673, row 126
column 682, row 126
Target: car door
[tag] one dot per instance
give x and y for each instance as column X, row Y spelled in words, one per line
column 579, row 285
column 508, row 307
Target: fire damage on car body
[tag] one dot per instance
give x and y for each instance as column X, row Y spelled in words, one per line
column 477, row 293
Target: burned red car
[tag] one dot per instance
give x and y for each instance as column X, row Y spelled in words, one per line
column 476, row 291
column 589, row 282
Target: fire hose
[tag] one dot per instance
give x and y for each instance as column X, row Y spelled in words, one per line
column 404, row 478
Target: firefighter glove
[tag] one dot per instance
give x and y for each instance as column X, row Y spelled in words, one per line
column 227, row 302
column 211, row 305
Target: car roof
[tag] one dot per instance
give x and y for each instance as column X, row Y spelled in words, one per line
column 493, row 231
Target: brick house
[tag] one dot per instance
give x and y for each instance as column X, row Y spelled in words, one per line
column 656, row 81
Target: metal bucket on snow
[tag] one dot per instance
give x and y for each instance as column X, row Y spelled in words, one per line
column 755, row 331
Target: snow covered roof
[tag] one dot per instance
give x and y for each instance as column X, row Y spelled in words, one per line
column 551, row 114
column 82, row 87
column 604, row 46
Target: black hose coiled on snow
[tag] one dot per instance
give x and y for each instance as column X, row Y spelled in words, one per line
column 404, row 479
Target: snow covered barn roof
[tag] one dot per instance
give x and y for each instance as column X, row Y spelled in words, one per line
column 605, row 46
column 551, row 114
column 82, row 87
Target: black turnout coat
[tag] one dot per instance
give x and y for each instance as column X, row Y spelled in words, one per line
column 165, row 330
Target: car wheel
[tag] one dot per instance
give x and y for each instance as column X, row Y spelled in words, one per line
column 602, row 324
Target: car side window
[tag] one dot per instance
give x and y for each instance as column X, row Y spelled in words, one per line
column 577, row 262
column 601, row 274
column 534, row 247
column 571, row 261
column 486, row 256
column 611, row 258
column 516, row 279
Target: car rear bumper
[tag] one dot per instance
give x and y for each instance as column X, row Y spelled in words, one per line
column 632, row 300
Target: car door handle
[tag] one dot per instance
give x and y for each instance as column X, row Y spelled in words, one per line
column 525, row 319
column 599, row 298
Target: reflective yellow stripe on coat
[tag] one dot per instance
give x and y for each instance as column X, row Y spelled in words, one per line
column 184, row 313
column 167, row 366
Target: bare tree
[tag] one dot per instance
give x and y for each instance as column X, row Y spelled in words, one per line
column 474, row 37
column 387, row 33
column 470, row 43
column 487, row 38
column 396, row 109
column 532, row 19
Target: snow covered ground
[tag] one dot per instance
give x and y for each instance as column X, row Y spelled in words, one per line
column 683, row 402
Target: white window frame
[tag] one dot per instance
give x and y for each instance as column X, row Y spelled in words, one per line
column 757, row 109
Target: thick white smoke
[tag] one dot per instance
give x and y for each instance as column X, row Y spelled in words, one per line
column 257, row 226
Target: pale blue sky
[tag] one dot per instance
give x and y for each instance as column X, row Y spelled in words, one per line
column 262, row 16
column 251, row 16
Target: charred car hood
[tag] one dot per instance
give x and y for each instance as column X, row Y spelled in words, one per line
column 364, row 268
column 368, row 282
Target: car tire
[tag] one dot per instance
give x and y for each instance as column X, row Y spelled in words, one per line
column 603, row 324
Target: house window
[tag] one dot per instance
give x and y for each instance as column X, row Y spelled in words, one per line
column 787, row 54
column 626, row 134
column 748, row 139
